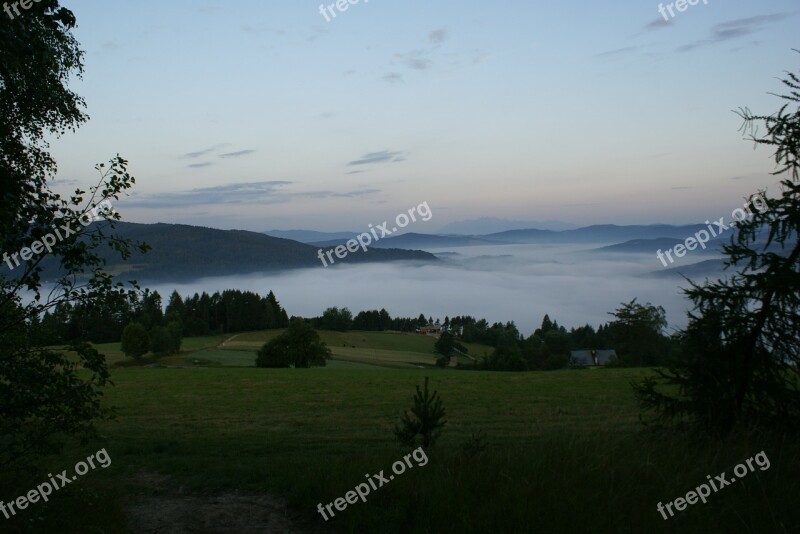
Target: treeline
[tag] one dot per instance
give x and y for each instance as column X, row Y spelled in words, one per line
column 342, row 320
column 103, row 321
column 99, row 320
column 228, row 312
column 636, row 335
column 469, row 329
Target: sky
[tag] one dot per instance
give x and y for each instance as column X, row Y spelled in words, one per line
column 262, row 115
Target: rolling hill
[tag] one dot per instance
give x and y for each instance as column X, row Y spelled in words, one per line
column 182, row 253
column 412, row 241
column 604, row 234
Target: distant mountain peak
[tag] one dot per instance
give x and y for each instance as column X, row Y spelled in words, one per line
column 493, row 225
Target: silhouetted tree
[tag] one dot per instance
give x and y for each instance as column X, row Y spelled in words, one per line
column 135, row 341
column 637, row 334
column 299, row 345
column 444, row 346
column 425, row 422
column 43, row 397
column 741, row 348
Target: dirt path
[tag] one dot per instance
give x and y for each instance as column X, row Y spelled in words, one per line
column 221, row 345
column 164, row 508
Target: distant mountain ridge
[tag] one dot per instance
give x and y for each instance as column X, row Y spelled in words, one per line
column 600, row 233
column 488, row 225
column 414, row 240
column 310, row 236
column 604, row 234
column 714, row 246
column 182, row 253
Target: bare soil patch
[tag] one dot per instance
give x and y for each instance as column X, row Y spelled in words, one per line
column 170, row 510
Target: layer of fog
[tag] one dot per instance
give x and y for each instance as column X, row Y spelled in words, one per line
column 517, row 283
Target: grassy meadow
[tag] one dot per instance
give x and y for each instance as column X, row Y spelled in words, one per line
column 564, row 451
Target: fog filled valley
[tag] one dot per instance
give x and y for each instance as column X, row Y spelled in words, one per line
column 501, row 283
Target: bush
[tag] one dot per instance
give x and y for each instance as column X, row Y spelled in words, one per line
column 299, row 345
column 135, row 341
column 474, row 445
column 273, row 355
column 425, row 421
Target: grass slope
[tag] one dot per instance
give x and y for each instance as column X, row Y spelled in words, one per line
column 566, row 453
column 386, row 349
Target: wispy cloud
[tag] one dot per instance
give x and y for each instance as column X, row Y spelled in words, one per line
column 618, row 52
column 318, row 32
column 393, row 77
column 752, row 176
column 211, row 150
column 345, row 194
column 438, row 36
column 66, row 181
column 420, row 59
column 200, row 153
column 384, row 156
column 415, row 60
column 268, row 192
column 238, row 193
column 735, row 29
column 246, row 28
column 236, row 154
column 658, row 24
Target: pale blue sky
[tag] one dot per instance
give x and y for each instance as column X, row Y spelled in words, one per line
column 262, row 115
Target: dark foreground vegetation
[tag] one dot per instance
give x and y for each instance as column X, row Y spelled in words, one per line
column 563, row 452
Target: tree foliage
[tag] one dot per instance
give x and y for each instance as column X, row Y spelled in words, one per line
column 42, row 395
column 228, row 312
column 135, row 341
column 741, row 349
column 637, row 334
column 444, row 346
column 338, row 320
column 425, row 422
column 299, row 346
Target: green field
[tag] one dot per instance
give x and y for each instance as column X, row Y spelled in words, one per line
column 387, row 349
column 189, row 345
column 566, row 451
column 350, row 350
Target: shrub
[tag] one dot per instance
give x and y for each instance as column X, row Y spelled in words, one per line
column 135, row 341
column 425, row 422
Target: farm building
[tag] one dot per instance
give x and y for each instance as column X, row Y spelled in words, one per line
column 591, row 358
column 430, row 329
